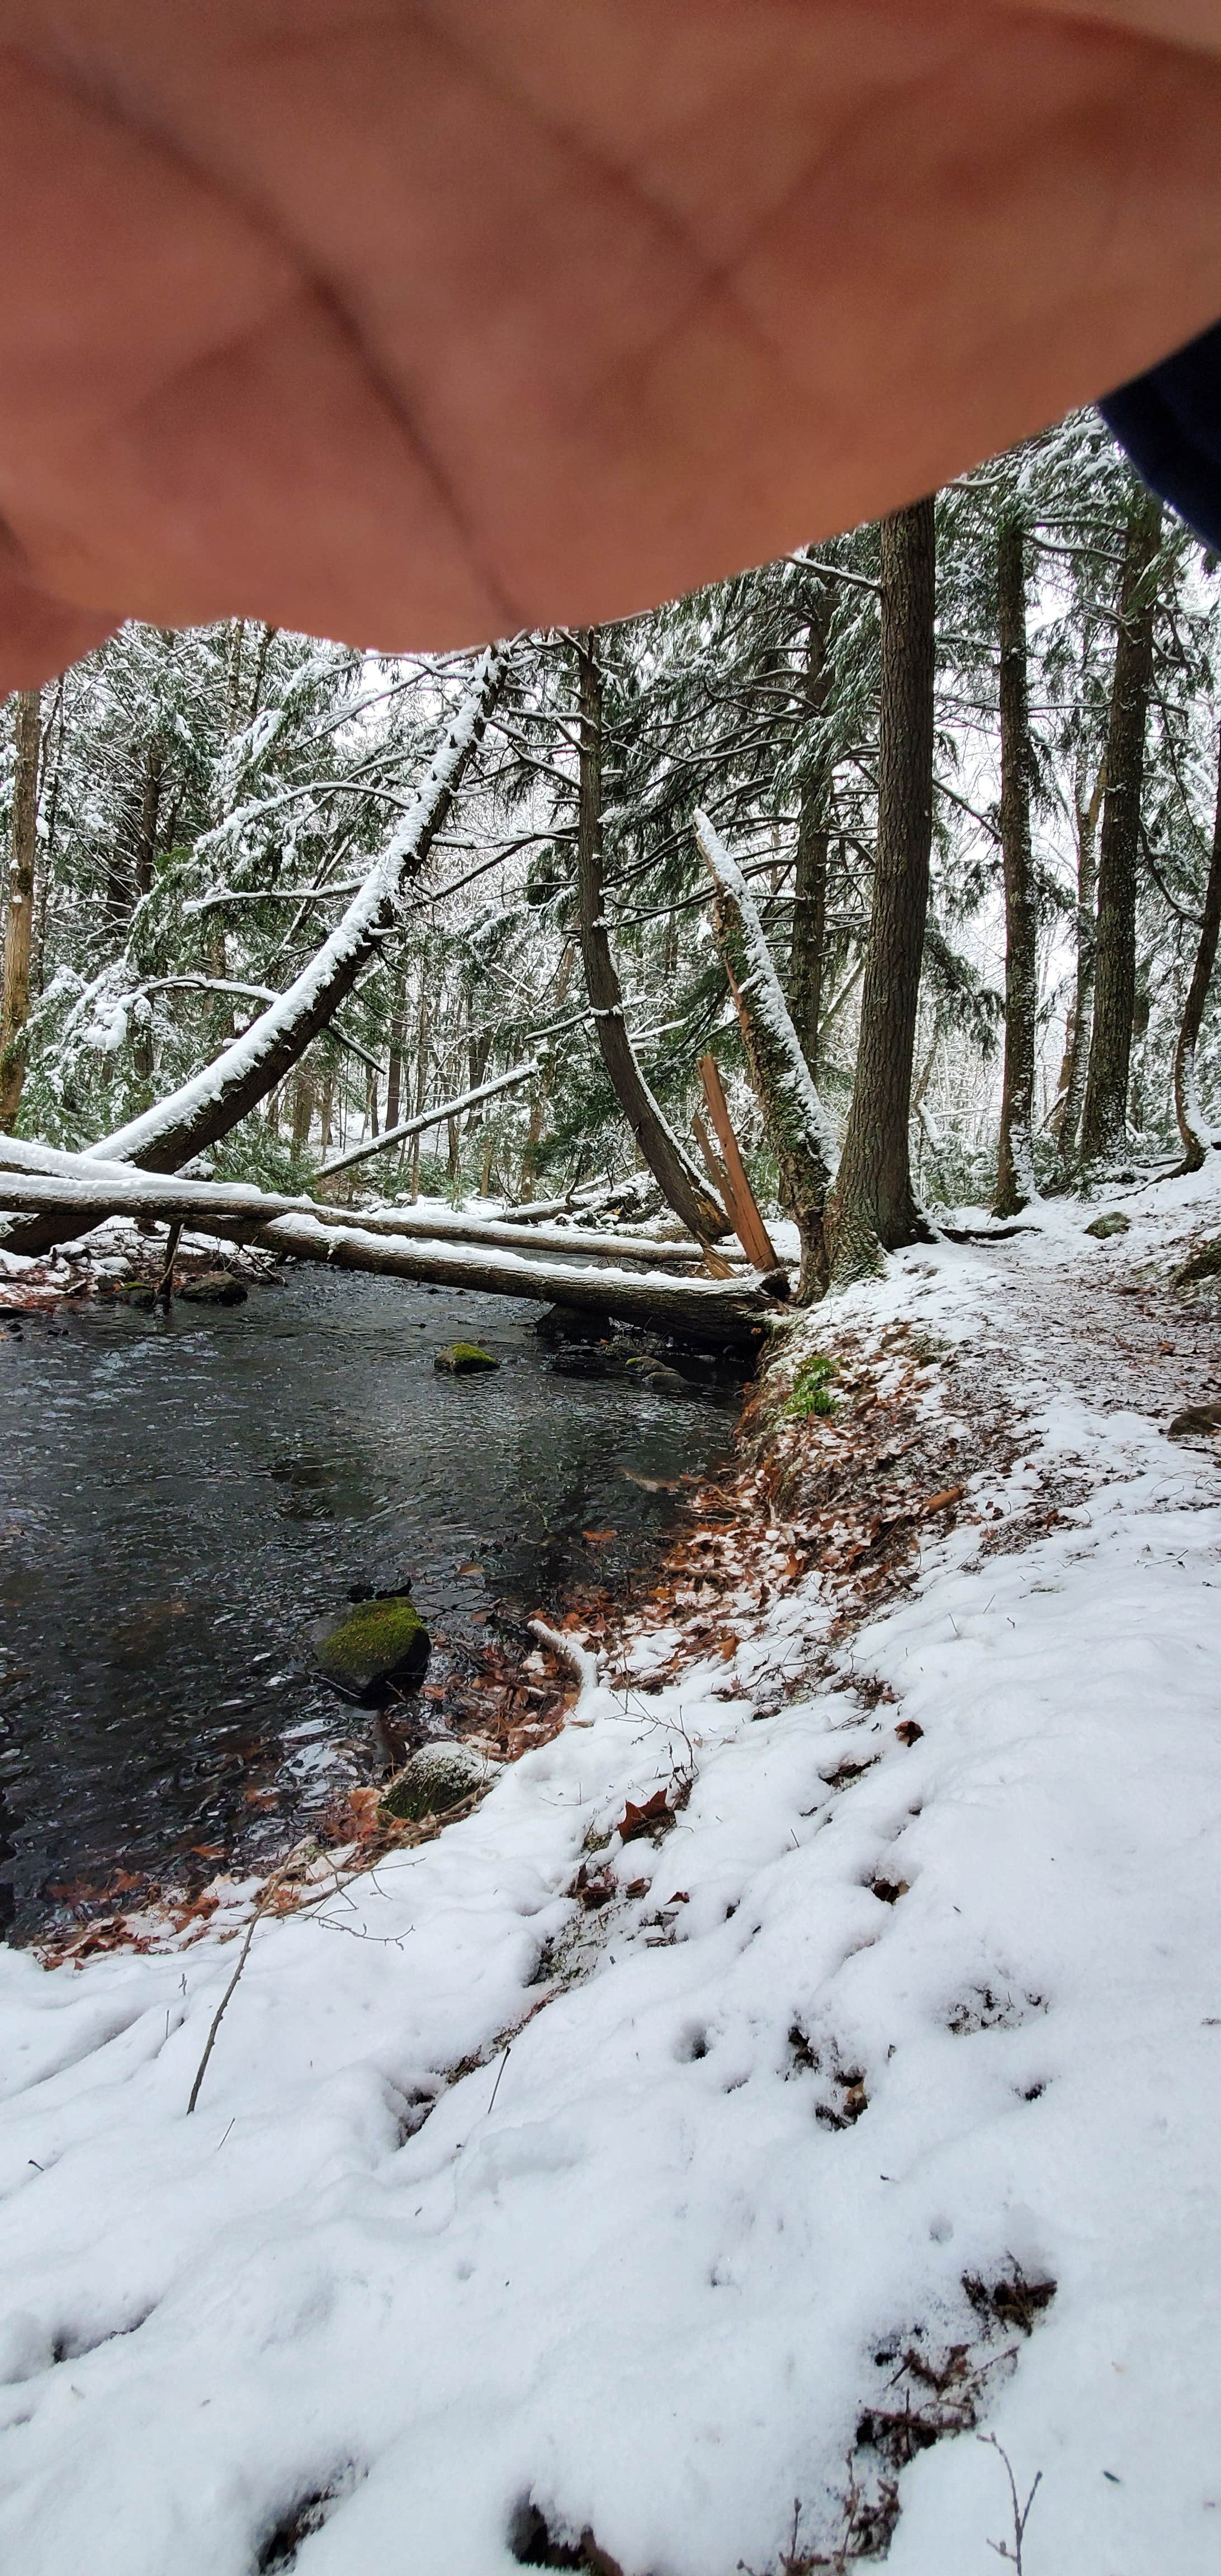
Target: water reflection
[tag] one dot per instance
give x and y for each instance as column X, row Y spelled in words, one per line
column 179, row 1499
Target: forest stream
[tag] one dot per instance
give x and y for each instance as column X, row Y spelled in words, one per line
column 181, row 1497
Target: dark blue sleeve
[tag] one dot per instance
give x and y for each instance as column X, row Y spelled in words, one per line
column 1170, row 423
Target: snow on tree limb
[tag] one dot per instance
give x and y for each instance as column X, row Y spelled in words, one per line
column 216, row 1097
column 761, row 990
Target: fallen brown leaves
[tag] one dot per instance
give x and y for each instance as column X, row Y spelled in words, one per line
column 849, row 1494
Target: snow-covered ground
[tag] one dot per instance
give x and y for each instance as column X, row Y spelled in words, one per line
column 634, row 2222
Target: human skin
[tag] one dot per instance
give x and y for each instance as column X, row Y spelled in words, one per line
column 413, row 321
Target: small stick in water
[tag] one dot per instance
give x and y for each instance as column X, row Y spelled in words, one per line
column 165, row 1284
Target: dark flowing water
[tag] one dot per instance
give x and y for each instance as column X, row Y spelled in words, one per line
column 180, row 1497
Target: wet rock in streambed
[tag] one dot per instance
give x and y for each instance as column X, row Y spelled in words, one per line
column 659, row 1379
column 213, row 1288
column 1115, row 1222
column 439, row 1776
column 562, row 1324
column 464, row 1359
column 589, row 1359
column 373, row 1649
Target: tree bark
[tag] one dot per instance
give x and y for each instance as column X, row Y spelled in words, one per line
column 798, row 1128
column 673, row 1170
column 1067, row 1122
column 19, row 923
column 1104, row 1125
column 1015, row 1181
column 807, row 950
column 872, row 1207
column 1196, row 1135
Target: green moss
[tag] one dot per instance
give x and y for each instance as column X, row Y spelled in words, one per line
column 436, row 1778
column 378, row 1645
column 464, row 1359
column 811, row 1388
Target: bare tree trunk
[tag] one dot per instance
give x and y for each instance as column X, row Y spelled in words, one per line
column 1104, row 1125
column 266, row 640
column 146, row 828
column 673, row 1170
column 872, row 1206
column 1141, row 1009
column 1015, row 1181
column 807, row 950
column 304, row 1104
column 44, row 862
column 542, row 1097
column 19, row 923
column 1192, row 1125
column 1077, row 1044
column 398, row 1042
column 422, row 1044
column 798, row 1128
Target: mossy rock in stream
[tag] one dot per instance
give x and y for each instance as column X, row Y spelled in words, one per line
column 464, row 1359
column 376, row 1647
column 436, row 1778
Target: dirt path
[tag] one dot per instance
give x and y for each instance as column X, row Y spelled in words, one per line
column 1105, row 1320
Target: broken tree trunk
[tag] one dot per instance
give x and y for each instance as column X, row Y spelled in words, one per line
column 164, row 1137
column 672, row 1168
column 1193, row 1127
column 798, row 1127
column 730, row 1176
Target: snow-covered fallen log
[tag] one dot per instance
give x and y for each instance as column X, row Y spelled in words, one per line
column 572, row 1242
column 720, row 1313
column 713, row 1311
column 39, row 1179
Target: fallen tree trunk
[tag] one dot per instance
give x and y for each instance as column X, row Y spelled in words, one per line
column 164, row 1137
column 586, row 1195
column 430, row 1118
column 80, row 1200
column 442, row 1227
column 719, row 1314
column 38, row 1178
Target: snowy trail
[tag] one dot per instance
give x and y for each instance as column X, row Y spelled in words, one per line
column 888, row 2024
